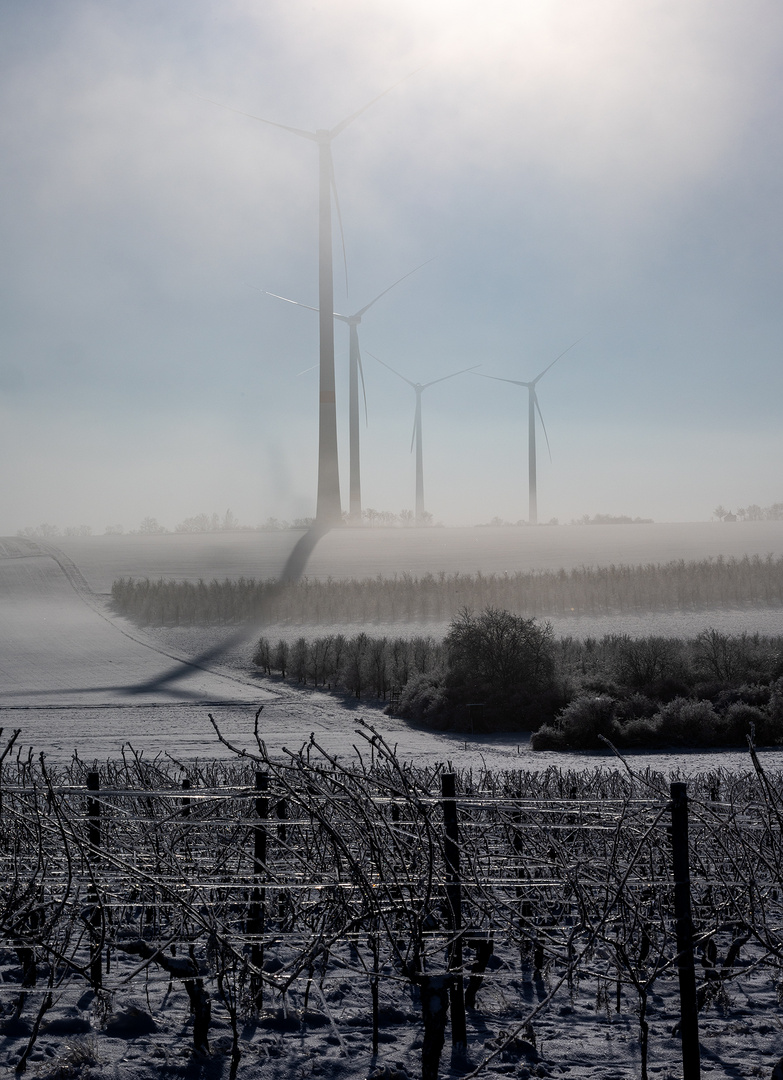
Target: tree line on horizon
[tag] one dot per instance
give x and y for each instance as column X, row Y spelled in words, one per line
column 209, row 523
column 212, row 523
column 679, row 585
column 150, row 526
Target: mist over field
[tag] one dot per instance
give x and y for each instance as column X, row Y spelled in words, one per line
column 605, row 175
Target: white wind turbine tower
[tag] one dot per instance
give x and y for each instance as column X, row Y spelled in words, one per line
column 419, row 389
column 532, row 407
column 328, row 508
column 355, row 374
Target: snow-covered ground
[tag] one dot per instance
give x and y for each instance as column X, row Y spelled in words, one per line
column 143, row 1031
column 74, row 677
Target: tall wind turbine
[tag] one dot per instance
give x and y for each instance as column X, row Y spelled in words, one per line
column 355, row 374
column 328, row 508
column 419, row 389
column 532, row 407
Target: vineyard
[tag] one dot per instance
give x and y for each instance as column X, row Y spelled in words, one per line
column 367, row 900
column 406, row 598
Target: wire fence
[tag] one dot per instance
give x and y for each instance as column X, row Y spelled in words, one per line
column 263, row 884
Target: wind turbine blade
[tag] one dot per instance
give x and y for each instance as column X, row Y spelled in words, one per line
column 546, row 369
column 277, row 296
column 350, row 119
column 306, row 370
column 339, row 217
column 366, row 307
column 408, row 381
column 443, row 379
column 541, row 418
column 413, row 436
column 229, row 108
column 361, row 376
column 497, row 378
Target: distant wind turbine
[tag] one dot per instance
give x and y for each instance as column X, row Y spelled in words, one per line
column 532, row 407
column 419, row 389
column 355, row 374
column 328, row 508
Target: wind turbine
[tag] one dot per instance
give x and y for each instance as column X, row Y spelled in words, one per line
column 532, row 406
column 328, row 508
column 355, row 373
column 419, row 389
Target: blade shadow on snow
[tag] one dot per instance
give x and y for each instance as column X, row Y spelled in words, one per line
column 292, row 571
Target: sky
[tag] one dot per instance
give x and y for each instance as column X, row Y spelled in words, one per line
column 576, row 171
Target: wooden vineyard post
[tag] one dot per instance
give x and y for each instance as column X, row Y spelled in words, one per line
column 282, row 816
column 525, row 912
column 689, row 1017
column 375, row 984
column 186, row 800
column 256, row 920
column 94, row 838
column 459, row 1036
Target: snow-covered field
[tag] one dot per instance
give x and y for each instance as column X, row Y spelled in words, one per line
column 74, row 677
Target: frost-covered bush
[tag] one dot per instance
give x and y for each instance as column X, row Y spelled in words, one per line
column 636, row 707
column 423, row 698
column 741, row 720
column 756, row 694
column 580, row 725
column 683, row 722
column 635, row 724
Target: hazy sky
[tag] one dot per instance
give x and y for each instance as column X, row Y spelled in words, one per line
column 591, row 169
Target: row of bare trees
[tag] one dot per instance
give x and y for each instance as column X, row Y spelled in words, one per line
column 259, row 883
column 360, row 665
column 751, row 581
